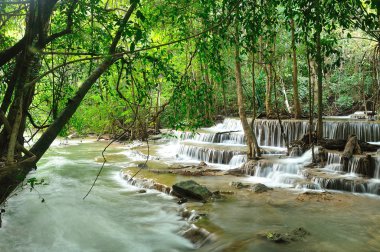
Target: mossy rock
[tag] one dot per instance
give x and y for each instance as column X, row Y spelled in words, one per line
column 191, row 189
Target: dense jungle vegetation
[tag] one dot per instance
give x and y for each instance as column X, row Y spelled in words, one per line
column 114, row 66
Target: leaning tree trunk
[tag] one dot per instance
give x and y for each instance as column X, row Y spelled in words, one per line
column 253, row 149
column 12, row 175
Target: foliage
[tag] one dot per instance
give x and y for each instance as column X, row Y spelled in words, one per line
column 185, row 83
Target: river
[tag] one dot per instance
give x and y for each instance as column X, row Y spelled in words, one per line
column 117, row 217
column 114, row 217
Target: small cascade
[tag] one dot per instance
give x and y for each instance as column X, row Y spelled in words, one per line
column 284, row 171
column 229, row 124
column 238, row 160
column 230, row 138
column 377, row 168
column 207, row 154
column 200, row 137
column 365, row 131
column 211, row 137
column 355, row 185
column 268, row 132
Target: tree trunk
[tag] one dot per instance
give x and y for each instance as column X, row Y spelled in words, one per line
column 52, row 132
column 43, row 143
column 296, row 100
column 15, row 130
column 268, row 91
column 352, row 147
column 254, row 112
column 319, row 62
column 253, row 149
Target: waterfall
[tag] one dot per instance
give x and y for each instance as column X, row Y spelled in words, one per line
column 224, row 144
column 365, row 131
column 268, row 132
column 377, row 168
column 207, row 154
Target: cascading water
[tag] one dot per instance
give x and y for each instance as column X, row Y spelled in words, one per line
column 222, row 144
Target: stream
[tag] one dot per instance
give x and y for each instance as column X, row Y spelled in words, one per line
column 116, row 217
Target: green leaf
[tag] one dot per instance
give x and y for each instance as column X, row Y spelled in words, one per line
column 140, row 16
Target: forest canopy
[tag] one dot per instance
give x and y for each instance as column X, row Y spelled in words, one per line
column 115, row 66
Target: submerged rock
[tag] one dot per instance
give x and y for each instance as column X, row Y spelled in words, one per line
column 260, row 188
column 191, row 189
column 198, row 236
column 238, row 185
column 313, row 195
column 142, row 165
column 295, row 235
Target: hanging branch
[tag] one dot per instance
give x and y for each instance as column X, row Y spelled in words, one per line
column 104, row 158
column 144, row 165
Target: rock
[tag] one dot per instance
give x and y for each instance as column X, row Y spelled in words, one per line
column 104, row 137
column 202, row 164
column 181, row 201
column 249, row 167
column 185, row 214
column 260, row 188
column 317, row 196
column 141, row 191
column 142, row 165
column 238, row 185
column 198, row 236
column 226, row 192
column 191, row 189
column 161, row 187
column 219, row 119
column 73, row 135
column 218, row 195
column 155, row 137
column 235, row 172
column 276, row 237
column 295, row 235
column 296, row 151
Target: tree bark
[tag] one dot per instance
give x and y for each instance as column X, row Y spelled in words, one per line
column 319, row 71
column 51, row 133
column 296, row 100
column 253, row 149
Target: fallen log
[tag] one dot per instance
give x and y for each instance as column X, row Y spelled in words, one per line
column 339, row 144
column 226, row 132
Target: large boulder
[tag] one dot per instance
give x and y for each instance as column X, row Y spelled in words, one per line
column 191, row 189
